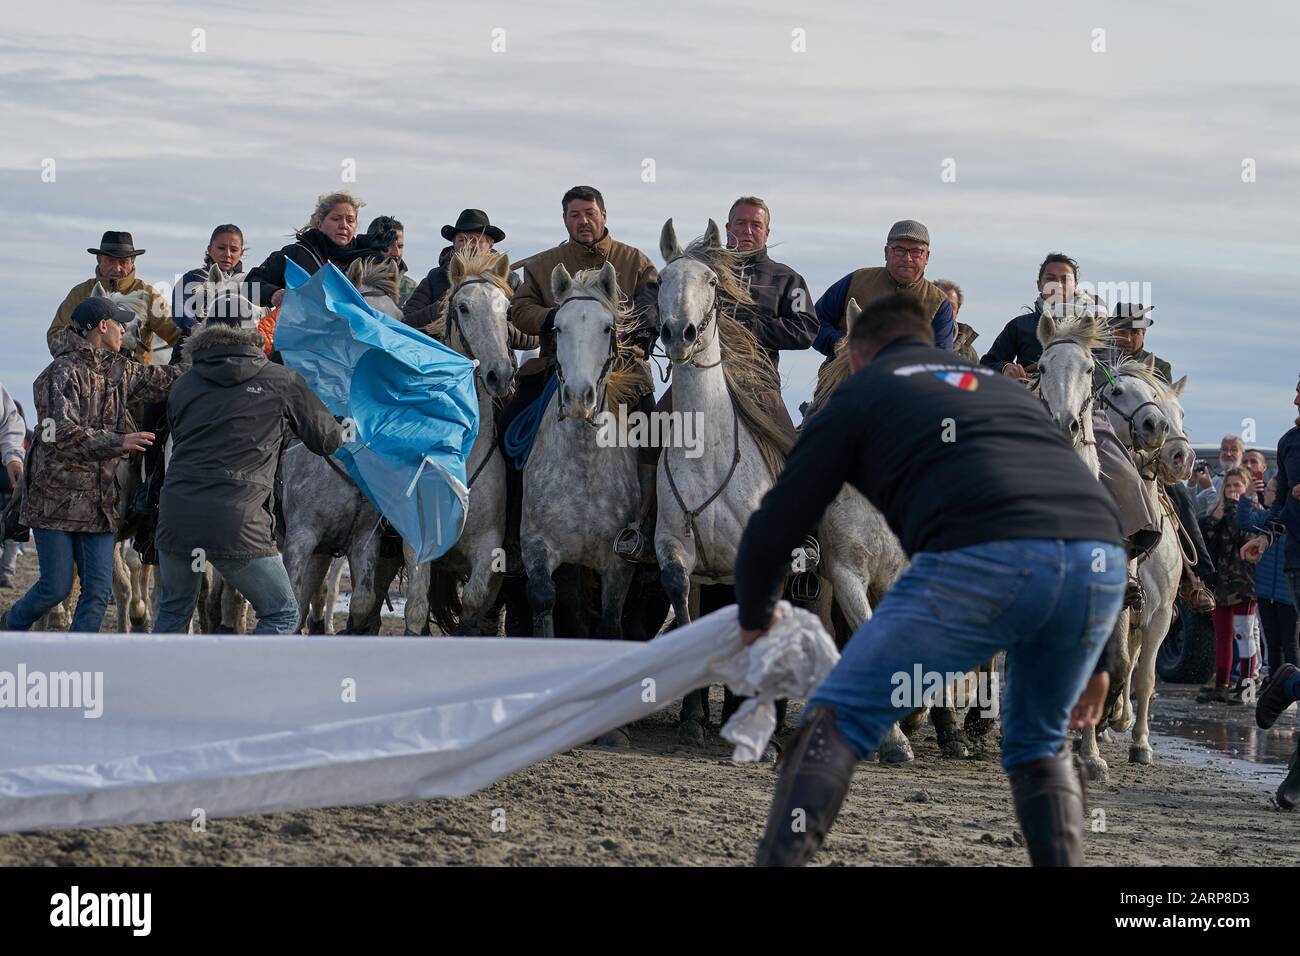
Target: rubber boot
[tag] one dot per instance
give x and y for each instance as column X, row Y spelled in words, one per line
column 815, row 776
column 636, row 542
column 1049, row 804
column 1288, row 794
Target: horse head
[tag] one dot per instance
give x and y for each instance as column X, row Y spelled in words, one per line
column 475, row 316
column 1133, row 406
column 688, row 296
column 587, row 321
column 138, row 302
column 222, row 294
column 378, row 281
column 1176, row 457
column 1065, row 370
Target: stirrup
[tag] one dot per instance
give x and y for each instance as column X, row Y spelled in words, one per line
column 1135, row 596
column 634, row 545
column 812, row 555
column 805, row 587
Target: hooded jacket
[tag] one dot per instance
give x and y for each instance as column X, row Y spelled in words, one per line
column 230, row 416
column 159, row 321
column 82, row 411
column 311, row 250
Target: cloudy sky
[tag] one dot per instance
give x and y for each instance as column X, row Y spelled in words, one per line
column 841, row 115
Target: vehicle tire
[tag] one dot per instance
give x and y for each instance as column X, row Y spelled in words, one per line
column 1187, row 653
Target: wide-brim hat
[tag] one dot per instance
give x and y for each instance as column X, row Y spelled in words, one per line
column 473, row 220
column 1132, row 315
column 118, row 245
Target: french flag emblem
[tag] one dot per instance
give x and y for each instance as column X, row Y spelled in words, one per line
column 966, row 381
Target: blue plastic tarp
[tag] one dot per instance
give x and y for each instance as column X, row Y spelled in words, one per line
column 410, row 399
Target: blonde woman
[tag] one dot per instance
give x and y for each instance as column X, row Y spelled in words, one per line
column 329, row 236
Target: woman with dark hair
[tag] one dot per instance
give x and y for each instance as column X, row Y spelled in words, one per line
column 329, row 236
column 225, row 249
column 1017, row 345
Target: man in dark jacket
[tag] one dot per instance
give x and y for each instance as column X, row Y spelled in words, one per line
column 1013, row 545
column 72, row 498
column 472, row 231
column 230, row 416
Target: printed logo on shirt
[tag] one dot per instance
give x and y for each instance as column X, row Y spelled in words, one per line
column 938, row 367
column 963, row 380
column 255, row 389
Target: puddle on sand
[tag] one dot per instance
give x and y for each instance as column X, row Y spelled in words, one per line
column 1222, row 736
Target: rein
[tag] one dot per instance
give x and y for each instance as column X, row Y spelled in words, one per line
column 692, row 514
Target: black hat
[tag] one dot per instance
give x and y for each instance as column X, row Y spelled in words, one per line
column 118, row 245
column 1131, row 315
column 473, row 220
column 91, row 312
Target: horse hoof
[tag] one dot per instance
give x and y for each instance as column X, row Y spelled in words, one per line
column 896, row 753
column 691, row 733
column 1122, row 725
column 955, row 748
column 616, row 738
column 1097, row 770
column 1140, row 755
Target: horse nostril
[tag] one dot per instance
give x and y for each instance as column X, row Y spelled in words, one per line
column 666, row 334
column 689, row 334
column 589, row 396
column 490, row 379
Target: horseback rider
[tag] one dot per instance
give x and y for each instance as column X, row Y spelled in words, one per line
column 473, row 231
column 963, row 339
column 907, row 250
column 389, row 227
column 115, row 271
column 1129, row 323
column 533, row 308
column 1050, row 595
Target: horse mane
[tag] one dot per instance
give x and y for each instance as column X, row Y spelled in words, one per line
column 832, row 374
column 138, row 301
column 1139, row 370
column 382, row 275
column 1084, row 331
column 476, row 265
column 746, row 366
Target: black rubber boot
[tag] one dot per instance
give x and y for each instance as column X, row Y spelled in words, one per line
column 815, row 774
column 1288, row 794
column 1274, row 699
column 1049, row 804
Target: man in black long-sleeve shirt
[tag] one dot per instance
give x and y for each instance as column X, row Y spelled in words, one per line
column 1014, row 545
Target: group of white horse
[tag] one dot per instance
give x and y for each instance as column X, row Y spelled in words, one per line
column 579, row 492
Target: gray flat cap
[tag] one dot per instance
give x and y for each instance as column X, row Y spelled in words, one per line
column 909, row 229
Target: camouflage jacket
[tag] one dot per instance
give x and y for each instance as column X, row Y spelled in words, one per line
column 82, row 415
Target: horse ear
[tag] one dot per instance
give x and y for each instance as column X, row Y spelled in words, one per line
column 1180, row 385
column 669, row 247
column 561, row 282
column 713, row 235
column 1150, row 362
column 456, row 269
column 99, row 292
column 1046, row 327
column 502, row 267
column 215, row 275
column 608, row 280
column 851, row 313
column 354, row 271
column 394, row 269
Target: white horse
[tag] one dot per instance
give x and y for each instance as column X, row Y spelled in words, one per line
column 568, row 473
column 473, row 322
column 1065, row 386
column 1131, row 408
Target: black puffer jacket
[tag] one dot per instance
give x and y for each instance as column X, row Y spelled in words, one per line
column 421, row 308
column 311, row 250
column 230, row 415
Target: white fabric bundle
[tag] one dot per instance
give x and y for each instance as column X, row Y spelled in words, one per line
column 240, row 725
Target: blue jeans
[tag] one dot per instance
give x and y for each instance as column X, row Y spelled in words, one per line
column 1050, row 604
column 58, row 553
column 263, row 581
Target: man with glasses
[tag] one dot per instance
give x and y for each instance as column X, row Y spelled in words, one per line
column 71, row 499
column 907, row 250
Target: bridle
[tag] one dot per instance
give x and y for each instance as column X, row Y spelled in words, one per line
column 602, row 381
column 453, row 322
column 1085, row 411
column 709, row 316
column 1117, row 388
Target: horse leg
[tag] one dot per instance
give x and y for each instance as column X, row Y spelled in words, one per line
column 895, row 747
column 1090, row 756
column 478, row 598
column 121, row 590
column 333, row 581
column 298, row 551
column 676, row 581
column 952, row 740
column 418, row 578
column 362, row 564
column 1145, row 683
column 540, row 563
column 318, row 566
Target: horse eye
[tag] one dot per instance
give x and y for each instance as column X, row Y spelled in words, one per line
column 608, row 329
column 462, row 306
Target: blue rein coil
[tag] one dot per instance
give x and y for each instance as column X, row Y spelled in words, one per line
column 521, row 432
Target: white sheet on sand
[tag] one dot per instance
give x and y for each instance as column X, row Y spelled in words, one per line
column 240, row 725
